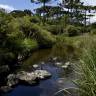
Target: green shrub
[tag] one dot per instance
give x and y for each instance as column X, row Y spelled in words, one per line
column 35, row 19
column 24, row 45
column 28, row 27
column 93, row 31
column 29, row 45
column 55, row 29
column 13, row 29
column 45, row 38
column 72, row 31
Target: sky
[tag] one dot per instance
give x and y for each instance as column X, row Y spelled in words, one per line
column 26, row 4
column 17, row 4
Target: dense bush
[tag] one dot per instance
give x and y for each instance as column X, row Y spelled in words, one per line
column 72, row 31
column 13, row 29
column 19, row 36
column 45, row 38
column 29, row 45
column 14, row 37
column 93, row 31
column 25, row 25
column 35, row 19
column 55, row 29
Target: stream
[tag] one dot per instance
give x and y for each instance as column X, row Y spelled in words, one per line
column 61, row 78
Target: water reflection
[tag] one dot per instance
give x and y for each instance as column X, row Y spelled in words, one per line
column 37, row 58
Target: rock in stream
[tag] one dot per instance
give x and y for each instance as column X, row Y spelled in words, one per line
column 28, row 78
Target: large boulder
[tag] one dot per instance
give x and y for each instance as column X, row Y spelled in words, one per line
column 28, row 78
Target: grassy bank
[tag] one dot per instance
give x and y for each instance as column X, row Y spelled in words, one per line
column 84, row 51
column 87, row 69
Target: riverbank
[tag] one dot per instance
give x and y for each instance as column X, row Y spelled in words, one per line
column 69, row 49
column 52, row 65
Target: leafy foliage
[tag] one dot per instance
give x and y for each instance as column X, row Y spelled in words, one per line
column 72, row 30
column 22, row 32
column 45, row 39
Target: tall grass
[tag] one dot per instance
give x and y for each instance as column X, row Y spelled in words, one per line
column 87, row 69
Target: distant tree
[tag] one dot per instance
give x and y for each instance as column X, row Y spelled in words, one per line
column 44, row 6
column 77, row 10
column 41, row 1
column 19, row 13
column 28, row 12
column 50, row 11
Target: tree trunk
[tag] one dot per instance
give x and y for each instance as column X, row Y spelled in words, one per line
column 85, row 18
column 44, row 18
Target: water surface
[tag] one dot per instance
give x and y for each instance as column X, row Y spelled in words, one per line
column 60, row 79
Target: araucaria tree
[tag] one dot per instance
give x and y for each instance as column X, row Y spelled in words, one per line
column 44, row 6
column 78, row 11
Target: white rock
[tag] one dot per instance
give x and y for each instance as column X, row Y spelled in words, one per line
column 67, row 63
column 55, row 58
column 42, row 74
column 35, row 66
column 26, row 77
column 58, row 63
column 64, row 66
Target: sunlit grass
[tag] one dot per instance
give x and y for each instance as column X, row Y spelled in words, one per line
column 85, row 67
